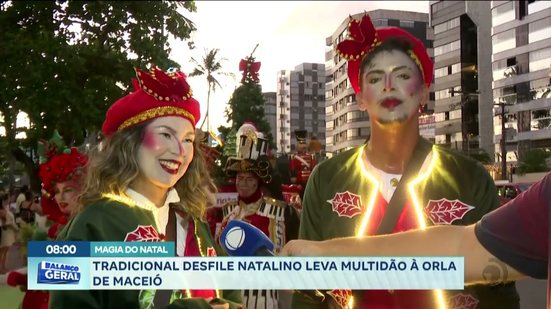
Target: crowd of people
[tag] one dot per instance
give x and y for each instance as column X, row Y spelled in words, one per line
column 148, row 180
column 19, row 206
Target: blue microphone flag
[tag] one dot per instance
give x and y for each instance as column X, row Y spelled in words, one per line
column 240, row 238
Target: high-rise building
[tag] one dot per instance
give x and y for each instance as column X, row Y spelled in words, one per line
column 270, row 111
column 346, row 125
column 462, row 75
column 300, row 104
column 521, row 68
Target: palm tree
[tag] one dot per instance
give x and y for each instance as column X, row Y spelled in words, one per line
column 209, row 66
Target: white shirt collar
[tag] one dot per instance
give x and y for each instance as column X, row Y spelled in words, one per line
column 159, row 213
column 385, row 179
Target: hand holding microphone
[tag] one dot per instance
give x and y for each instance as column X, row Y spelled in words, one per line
column 243, row 239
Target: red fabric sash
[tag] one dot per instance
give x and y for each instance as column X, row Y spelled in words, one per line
column 192, row 249
column 384, row 299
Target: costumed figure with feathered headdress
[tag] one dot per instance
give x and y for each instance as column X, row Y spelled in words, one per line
column 252, row 171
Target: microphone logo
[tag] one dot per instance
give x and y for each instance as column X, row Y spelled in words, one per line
column 234, row 238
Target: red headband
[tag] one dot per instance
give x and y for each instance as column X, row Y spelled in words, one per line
column 363, row 38
column 157, row 94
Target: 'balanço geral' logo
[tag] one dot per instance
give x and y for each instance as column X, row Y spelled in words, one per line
column 58, row 273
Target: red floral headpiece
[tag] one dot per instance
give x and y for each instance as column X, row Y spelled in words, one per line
column 60, row 167
column 363, row 38
column 157, row 94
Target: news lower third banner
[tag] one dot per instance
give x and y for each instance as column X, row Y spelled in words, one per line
column 153, row 265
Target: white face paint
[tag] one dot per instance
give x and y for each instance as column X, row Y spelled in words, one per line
column 166, row 151
column 392, row 88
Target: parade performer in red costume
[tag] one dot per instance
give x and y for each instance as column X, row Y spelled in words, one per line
column 302, row 162
column 398, row 180
column 61, row 177
column 252, row 172
column 300, row 166
column 147, row 181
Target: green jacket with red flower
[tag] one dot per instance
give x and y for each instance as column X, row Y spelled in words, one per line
column 109, row 220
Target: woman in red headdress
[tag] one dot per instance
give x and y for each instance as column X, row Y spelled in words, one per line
column 147, row 181
column 61, row 177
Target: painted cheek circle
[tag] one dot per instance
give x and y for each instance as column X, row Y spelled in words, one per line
column 412, row 88
column 151, row 141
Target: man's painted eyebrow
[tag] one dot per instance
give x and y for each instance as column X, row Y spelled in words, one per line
column 393, row 70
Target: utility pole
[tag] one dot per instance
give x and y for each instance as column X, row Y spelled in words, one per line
column 503, row 142
column 464, row 100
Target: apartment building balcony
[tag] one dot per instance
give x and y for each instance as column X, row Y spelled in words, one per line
column 352, row 124
column 446, row 82
column 527, row 106
column 514, row 137
column 329, row 55
column 448, row 126
column 348, row 143
column 346, row 109
column 447, row 104
column 516, row 79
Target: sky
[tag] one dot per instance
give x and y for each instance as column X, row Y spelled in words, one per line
column 288, row 34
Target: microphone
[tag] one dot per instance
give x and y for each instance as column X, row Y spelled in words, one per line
column 240, row 238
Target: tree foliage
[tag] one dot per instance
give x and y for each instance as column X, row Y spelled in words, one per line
column 533, row 161
column 247, row 104
column 481, row 156
column 63, row 63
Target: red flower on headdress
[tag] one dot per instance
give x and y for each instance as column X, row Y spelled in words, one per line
column 362, row 37
column 170, row 86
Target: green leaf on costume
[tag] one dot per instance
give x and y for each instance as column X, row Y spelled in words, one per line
column 146, row 298
column 57, row 140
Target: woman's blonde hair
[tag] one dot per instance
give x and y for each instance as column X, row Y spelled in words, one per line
column 113, row 165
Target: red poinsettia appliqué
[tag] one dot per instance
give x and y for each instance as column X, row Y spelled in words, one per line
column 346, row 204
column 462, row 301
column 143, row 233
column 211, row 251
column 341, row 297
column 444, row 211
